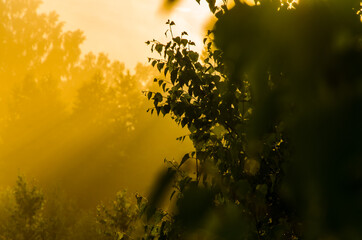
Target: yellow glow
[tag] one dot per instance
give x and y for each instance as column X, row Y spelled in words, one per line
column 120, row 28
column 75, row 119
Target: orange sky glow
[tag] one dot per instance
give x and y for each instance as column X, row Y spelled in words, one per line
column 120, row 28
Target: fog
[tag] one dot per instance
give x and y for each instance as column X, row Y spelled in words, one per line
column 74, row 120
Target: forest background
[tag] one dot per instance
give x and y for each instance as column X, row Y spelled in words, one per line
column 268, row 111
column 75, row 120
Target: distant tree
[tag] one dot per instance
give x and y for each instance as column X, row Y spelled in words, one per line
column 109, row 94
column 34, row 43
column 62, row 114
column 34, row 123
column 118, row 221
column 28, row 214
column 125, row 219
column 26, row 220
column 35, row 56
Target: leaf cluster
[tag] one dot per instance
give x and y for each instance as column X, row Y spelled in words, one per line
column 267, row 113
column 228, row 170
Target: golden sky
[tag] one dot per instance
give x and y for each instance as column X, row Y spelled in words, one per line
column 120, row 27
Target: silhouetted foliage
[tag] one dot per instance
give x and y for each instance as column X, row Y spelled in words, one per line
column 269, row 111
column 227, row 182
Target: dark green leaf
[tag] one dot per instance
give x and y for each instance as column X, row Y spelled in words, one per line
column 174, row 76
column 159, row 48
column 158, row 109
column 194, row 56
column 184, row 159
column 160, row 66
column 177, row 40
column 170, row 53
column 154, row 63
column 184, row 42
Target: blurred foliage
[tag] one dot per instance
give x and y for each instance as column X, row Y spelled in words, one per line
column 120, row 219
column 125, row 219
column 273, row 112
column 28, row 214
column 24, row 218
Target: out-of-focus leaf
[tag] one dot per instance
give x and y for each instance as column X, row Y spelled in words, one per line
column 159, row 190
